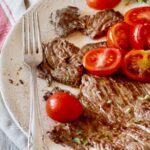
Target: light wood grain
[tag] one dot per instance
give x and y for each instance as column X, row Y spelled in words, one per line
column 5, row 143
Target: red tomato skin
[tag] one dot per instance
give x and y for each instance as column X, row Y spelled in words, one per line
column 63, row 107
column 116, row 40
column 102, row 4
column 139, row 36
column 135, row 19
column 131, row 75
column 103, row 71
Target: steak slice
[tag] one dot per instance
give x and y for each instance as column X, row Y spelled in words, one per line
column 97, row 25
column 65, row 20
column 59, row 51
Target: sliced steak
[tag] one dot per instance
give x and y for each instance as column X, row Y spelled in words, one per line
column 66, row 20
column 97, row 25
column 59, row 51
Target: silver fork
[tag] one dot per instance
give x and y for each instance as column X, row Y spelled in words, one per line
column 33, row 57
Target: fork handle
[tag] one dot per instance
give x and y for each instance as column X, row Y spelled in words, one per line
column 35, row 139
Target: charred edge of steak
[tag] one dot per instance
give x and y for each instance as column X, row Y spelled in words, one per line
column 66, row 20
column 97, row 25
column 107, row 121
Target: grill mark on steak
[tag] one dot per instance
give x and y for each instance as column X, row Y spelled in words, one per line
column 97, row 25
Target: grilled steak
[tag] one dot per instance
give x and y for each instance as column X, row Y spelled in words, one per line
column 63, row 61
column 68, row 20
column 115, row 117
column 59, row 51
column 97, row 25
column 65, row 20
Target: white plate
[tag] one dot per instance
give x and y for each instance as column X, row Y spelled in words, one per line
column 16, row 95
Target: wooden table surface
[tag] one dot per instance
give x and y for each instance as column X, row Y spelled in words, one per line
column 5, row 143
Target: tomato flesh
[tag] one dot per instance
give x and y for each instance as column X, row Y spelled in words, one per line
column 140, row 36
column 118, row 36
column 102, row 61
column 138, row 15
column 136, row 65
column 63, row 107
column 102, row 4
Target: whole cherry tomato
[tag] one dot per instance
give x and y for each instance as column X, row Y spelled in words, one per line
column 63, row 107
column 102, row 4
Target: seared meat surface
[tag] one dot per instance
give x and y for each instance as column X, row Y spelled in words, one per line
column 113, row 118
column 59, row 51
column 65, row 20
column 63, row 61
column 68, row 20
column 97, row 25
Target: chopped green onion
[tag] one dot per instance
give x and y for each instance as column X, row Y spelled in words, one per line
column 85, row 142
column 109, row 136
column 78, row 132
column 77, row 140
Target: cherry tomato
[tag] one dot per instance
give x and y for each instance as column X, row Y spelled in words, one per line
column 102, row 4
column 138, row 15
column 63, row 107
column 139, row 36
column 136, row 65
column 118, row 36
column 102, row 61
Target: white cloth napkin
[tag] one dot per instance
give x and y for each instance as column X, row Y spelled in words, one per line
column 10, row 12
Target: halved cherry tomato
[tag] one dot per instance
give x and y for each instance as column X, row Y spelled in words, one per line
column 118, row 36
column 138, row 15
column 139, row 36
column 102, row 61
column 136, row 65
column 63, row 107
column 102, row 4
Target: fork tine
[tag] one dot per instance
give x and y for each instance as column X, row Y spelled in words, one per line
column 33, row 33
column 39, row 49
column 24, row 36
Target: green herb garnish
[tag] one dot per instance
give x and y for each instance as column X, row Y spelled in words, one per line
column 85, row 142
column 109, row 136
column 77, row 140
column 78, row 132
column 142, row 1
column 67, row 77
